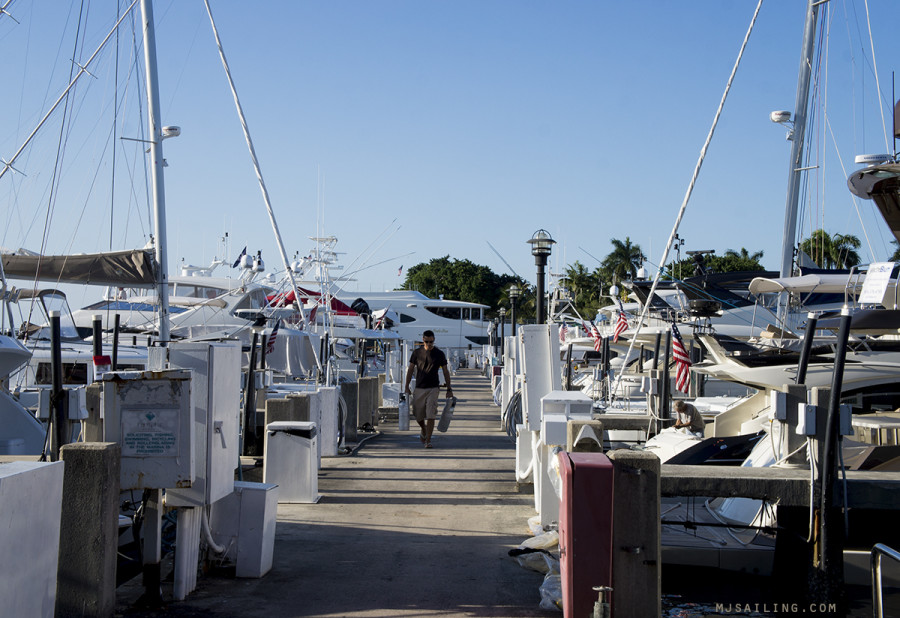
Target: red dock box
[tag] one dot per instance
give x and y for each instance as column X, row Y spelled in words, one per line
column 585, row 529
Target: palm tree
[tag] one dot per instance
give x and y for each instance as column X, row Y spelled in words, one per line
column 745, row 255
column 577, row 279
column 827, row 251
column 844, row 247
column 585, row 287
column 624, row 260
column 818, row 247
column 895, row 256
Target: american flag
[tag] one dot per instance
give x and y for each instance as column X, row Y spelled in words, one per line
column 563, row 331
column 621, row 323
column 399, row 270
column 682, row 361
column 270, row 344
column 587, row 328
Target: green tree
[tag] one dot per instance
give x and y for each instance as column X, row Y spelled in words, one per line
column 732, row 261
column 827, row 251
column 623, row 261
column 584, row 286
column 845, row 248
column 462, row 280
column 744, row 255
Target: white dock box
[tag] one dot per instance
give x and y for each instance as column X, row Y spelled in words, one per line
column 573, row 404
column 291, row 460
column 149, row 414
column 30, row 506
column 244, row 523
column 216, row 385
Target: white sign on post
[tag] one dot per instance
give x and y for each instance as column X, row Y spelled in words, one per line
column 875, row 283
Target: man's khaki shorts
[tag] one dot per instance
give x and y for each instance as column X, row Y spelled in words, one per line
column 425, row 403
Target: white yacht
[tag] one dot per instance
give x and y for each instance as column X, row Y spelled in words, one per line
column 457, row 325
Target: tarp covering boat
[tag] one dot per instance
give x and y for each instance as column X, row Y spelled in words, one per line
column 133, row 268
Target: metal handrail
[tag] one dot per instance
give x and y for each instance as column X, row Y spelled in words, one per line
column 878, row 551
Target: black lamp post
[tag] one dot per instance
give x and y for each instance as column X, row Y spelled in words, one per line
column 514, row 293
column 541, row 245
column 502, row 329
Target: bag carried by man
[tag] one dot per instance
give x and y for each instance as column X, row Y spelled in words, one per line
column 446, row 415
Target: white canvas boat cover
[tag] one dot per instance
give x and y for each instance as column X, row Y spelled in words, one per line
column 133, row 268
column 826, row 284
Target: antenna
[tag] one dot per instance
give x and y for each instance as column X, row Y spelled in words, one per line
column 599, row 261
column 502, row 258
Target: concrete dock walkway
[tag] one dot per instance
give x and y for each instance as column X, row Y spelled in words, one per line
column 400, row 530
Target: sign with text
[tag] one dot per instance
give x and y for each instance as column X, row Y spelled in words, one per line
column 875, row 283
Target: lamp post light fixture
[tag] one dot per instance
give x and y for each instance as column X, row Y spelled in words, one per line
column 514, row 293
column 502, row 329
column 541, row 245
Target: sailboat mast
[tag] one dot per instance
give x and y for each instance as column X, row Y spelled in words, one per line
column 156, row 169
column 797, row 137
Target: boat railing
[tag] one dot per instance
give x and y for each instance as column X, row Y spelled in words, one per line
column 878, row 551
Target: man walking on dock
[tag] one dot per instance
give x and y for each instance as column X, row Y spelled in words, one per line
column 425, row 362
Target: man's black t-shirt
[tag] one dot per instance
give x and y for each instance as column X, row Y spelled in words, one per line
column 427, row 365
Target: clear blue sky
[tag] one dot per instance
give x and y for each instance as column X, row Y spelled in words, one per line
column 461, row 122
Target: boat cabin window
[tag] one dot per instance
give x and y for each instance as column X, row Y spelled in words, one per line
column 451, row 313
column 255, row 299
column 76, row 373
column 405, row 318
column 72, row 373
column 194, row 291
column 466, row 313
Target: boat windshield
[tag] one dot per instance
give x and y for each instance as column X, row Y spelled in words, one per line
column 56, row 301
column 194, row 291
